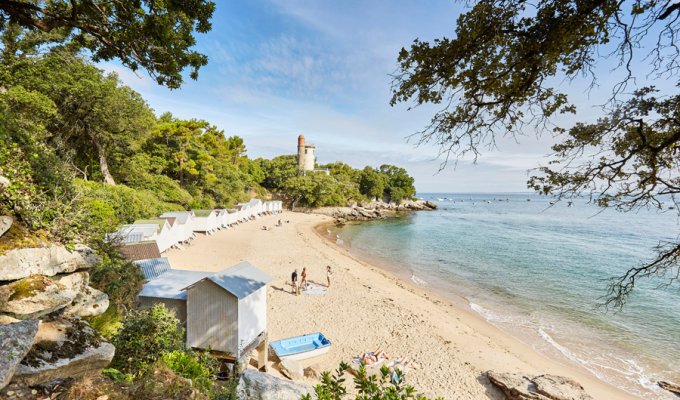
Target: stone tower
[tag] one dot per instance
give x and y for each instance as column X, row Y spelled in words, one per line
column 306, row 159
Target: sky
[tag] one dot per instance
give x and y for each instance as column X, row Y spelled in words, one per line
column 280, row 68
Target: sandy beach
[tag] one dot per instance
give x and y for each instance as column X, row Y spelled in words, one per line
column 366, row 308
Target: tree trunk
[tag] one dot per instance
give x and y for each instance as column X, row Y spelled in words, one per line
column 103, row 164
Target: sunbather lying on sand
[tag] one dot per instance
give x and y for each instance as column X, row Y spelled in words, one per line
column 374, row 356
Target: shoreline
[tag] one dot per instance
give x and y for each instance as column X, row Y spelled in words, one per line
column 368, row 307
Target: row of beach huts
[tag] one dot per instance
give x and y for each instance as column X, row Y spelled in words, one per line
column 176, row 228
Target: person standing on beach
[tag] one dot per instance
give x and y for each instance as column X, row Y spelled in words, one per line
column 293, row 282
column 303, row 281
column 328, row 275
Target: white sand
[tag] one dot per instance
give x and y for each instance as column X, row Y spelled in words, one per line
column 366, row 308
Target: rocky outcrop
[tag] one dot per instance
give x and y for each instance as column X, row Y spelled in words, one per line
column 16, row 339
column 373, row 210
column 49, row 261
column 254, row 385
column 64, row 349
column 5, row 223
column 4, row 183
column 518, row 386
column 34, row 297
column 89, row 362
column 88, row 303
column 292, row 369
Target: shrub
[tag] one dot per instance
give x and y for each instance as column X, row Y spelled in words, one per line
column 144, row 337
column 188, row 364
column 387, row 386
column 120, row 279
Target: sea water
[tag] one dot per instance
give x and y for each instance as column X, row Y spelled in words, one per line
column 538, row 271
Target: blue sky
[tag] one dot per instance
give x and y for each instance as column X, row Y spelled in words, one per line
column 280, row 68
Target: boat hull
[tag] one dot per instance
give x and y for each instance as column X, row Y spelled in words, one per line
column 301, row 347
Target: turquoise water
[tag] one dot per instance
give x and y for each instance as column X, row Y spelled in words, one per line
column 538, row 272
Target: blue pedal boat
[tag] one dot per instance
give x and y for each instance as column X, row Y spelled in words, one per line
column 301, row 347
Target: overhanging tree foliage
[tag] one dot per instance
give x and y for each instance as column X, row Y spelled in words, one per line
column 155, row 35
column 501, row 75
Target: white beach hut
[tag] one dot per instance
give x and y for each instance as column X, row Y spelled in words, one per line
column 231, row 218
column 227, row 311
column 164, row 236
column 244, row 211
column 256, row 206
column 183, row 226
column 221, row 214
column 278, row 206
column 205, row 221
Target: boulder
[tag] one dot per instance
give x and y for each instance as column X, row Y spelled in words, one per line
column 6, row 319
column 292, row 369
column 254, row 385
column 88, row 303
column 671, row 387
column 518, row 386
column 34, row 297
column 5, row 223
column 4, row 183
column 49, row 261
column 559, row 388
column 90, row 362
column 16, row 340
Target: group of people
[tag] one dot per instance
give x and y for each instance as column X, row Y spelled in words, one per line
column 297, row 287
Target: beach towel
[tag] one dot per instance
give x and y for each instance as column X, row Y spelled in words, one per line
column 314, row 289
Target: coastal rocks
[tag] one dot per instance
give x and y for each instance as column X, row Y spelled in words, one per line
column 64, row 349
column 49, row 261
column 16, row 340
column 313, row 371
column 254, row 385
column 34, row 297
column 517, row 386
column 671, row 387
column 89, row 362
column 291, row 369
column 5, row 223
column 372, row 210
column 89, row 302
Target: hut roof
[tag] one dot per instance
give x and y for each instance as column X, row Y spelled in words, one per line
column 240, row 280
column 254, row 202
column 140, row 250
column 152, row 268
column 171, row 220
column 170, row 284
column 202, row 213
column 156, row 221
column 182, row 216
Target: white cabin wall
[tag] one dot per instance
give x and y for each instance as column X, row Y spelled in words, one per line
column 212, row 318
column 252, row 311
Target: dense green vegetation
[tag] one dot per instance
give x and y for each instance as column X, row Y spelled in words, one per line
column 85, row 153
column 342, row 186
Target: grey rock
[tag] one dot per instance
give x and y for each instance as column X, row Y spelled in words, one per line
column 5, row 223
column 4, row 183
column 16, row 340
column 254, row 385
column 89, row 362
column 49, row 261
column 34, row 297
column 292, row 369
column 518, row 386
column 671, row 387
column 88, row 303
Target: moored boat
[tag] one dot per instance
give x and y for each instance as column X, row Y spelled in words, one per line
column 301, row 347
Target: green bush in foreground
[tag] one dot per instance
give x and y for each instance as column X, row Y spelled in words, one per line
column 387, row 386
column 198, row 368
column 144, row 337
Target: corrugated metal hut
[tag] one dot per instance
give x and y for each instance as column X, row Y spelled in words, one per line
column 167, row 289
column 231, row 217
column 152, row 268
column 227, row 311
column 140, row 250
